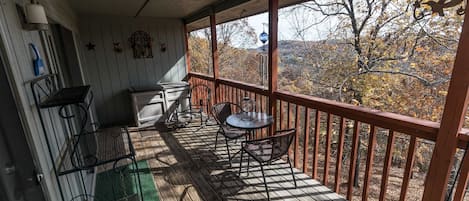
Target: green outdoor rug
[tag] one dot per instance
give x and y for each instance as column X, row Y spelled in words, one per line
column 122, row 185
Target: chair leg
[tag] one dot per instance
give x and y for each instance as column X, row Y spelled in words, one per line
column 265, row 182
column 241, row 162
column 201, row 118
column 248, row 165
column 291, row 169
column 228, row 151
column 216, row 141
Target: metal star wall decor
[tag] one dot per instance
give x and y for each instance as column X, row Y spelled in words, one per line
column 90, row 46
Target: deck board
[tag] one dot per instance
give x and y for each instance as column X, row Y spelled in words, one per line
column 186, row 166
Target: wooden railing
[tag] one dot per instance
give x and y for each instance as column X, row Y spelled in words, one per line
column 362, row 126
column 331, row 137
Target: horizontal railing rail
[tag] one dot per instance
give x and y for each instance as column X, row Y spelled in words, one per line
column 201, row 76
column 336, row 142
column 400, row 123
column 244, row 86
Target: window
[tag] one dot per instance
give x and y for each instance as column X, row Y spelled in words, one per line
column 242, row 56
column 201, row 51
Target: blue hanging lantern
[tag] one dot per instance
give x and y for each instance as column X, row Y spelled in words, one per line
column 264, row 37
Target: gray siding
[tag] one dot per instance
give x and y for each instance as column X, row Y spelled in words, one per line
column 14, row 49
column 110, row 73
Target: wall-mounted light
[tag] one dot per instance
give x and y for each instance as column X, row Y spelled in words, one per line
column 33, row 16
column 163, row 47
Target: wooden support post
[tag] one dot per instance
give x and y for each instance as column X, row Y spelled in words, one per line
column 451, row 122
column 188, row 55
column 273, row 60
column 215, row 64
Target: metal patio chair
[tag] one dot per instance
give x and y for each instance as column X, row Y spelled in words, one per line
column 267, row 150
column 220, row 112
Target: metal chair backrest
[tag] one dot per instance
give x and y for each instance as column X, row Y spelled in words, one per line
column 204, row 95
column 281, row 142
column 221, row 111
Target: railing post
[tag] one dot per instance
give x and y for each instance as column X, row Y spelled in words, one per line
column 215, row 64
column 451, row 122
column 273, row 60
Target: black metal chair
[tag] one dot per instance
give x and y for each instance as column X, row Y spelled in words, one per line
column 267, row 150
column 220, row 112
column 194, row 106
column 200, row 105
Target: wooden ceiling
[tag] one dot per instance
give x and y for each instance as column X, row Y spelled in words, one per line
column 226, row 14
column 153, row 8
column 193, row 12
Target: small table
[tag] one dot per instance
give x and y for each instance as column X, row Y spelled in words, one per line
column 250, row 121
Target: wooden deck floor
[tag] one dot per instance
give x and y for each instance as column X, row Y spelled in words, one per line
column 186, row 167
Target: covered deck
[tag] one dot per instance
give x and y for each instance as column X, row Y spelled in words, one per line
column 185, row 166
column 334, row 149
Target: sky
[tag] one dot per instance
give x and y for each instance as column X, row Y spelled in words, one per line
column 286, row 29
column 285, row 26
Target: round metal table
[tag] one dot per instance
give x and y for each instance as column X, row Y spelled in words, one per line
column 250, row 121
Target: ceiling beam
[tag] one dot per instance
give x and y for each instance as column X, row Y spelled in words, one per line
column 141, row 8
column 213, row 8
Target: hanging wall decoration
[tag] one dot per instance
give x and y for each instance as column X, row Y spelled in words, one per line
column 163, row 47
column 141, row 42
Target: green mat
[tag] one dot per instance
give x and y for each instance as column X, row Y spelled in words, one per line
column 122, row 185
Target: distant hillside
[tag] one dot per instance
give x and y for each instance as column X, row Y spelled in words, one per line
column 293, row 52
column 287, row 45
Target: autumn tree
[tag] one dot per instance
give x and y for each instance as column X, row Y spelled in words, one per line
column 381, row 33
column 378, row 55
column 236, row 61
column 201, row 51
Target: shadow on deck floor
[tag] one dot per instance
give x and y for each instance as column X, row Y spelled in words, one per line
column 185, row 166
